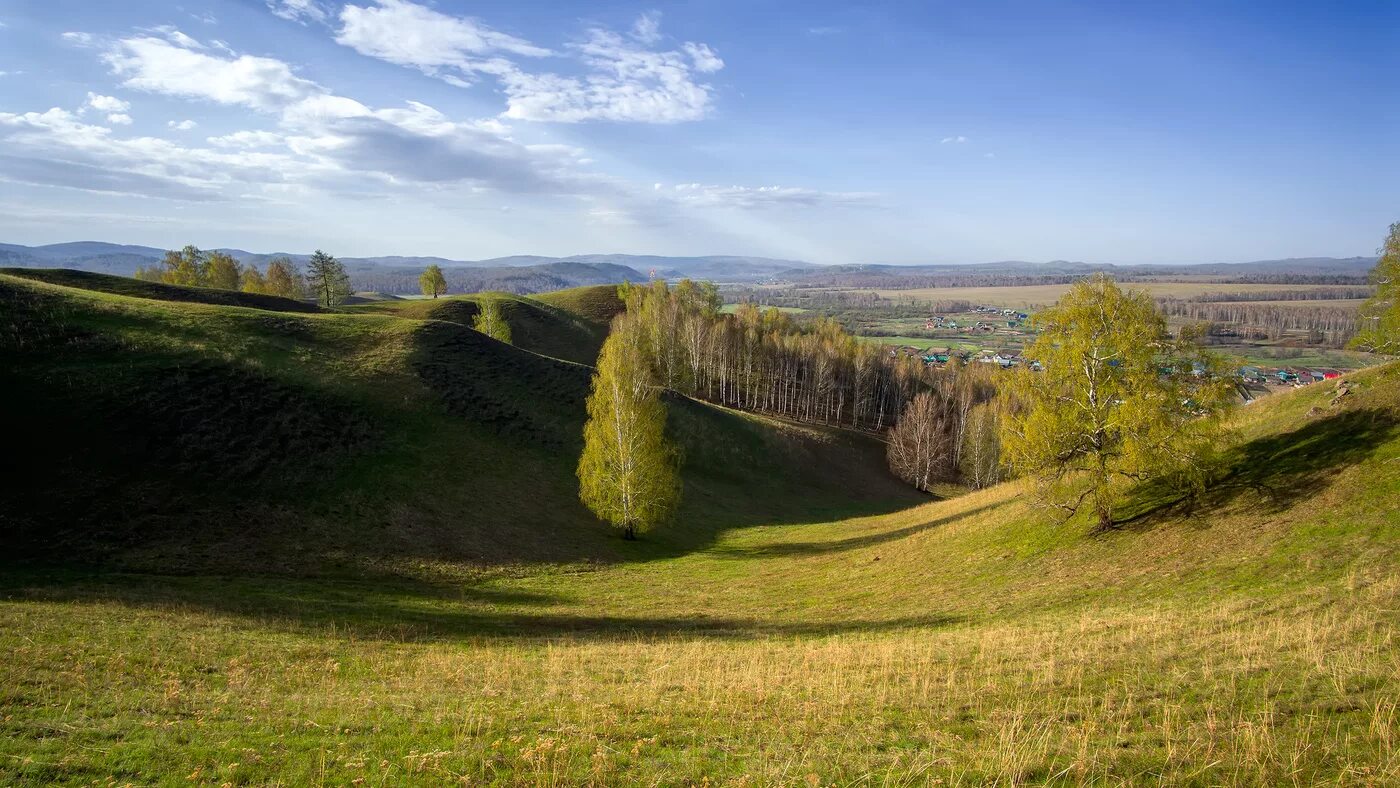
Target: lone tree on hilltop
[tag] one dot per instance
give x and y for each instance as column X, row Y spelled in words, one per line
column 920, row 449
column 327, row 279
column 1379, row 323
column 491, row 320
column 1118, row 401
column 432, row 282
column 628, row 472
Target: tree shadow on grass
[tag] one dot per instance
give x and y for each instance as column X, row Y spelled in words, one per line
column 790, row 549
column 412, row 612
column 1271, row 474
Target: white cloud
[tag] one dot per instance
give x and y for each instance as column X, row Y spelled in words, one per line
column 181, row 125
column 748, row 197
column 625, row 78
column 78, row 39
column 106, row 103
column 625, row 82
column 825, row 30
column 957, row 140
column 119, row 118
column 248, row 139
column 174, row 36
column 298, row 10
column 160, row 66
column 413, row 35
column 647, row 28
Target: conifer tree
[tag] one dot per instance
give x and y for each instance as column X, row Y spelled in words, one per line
column 1379, row 324
column 432, row 282
column 628, row 472
column 491, row 320
column 1117, row 401
column 327, row 279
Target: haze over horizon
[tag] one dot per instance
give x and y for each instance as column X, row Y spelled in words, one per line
column 814, row 132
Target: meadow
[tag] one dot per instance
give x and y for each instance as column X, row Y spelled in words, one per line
column 434, row 607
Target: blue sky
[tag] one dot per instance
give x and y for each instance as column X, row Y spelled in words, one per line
column 832, row 132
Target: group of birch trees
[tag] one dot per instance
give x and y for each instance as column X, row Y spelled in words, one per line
column 325, row 277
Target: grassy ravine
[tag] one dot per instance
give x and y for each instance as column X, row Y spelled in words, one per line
column 1247, row 637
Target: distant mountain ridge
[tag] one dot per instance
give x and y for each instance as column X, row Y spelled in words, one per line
column 534, row 273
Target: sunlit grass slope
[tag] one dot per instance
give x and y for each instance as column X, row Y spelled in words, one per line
column 1248, row 636
column 186, row 437
column 536, row 325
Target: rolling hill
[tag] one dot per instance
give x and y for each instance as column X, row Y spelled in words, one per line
column 250, row 546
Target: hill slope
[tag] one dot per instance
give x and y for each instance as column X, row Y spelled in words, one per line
column 348, row 439
column 774, row 636
column 125, row 285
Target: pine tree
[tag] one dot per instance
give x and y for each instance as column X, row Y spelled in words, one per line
column 1117, row 401
column 1379, row 324
column 327, row 279
column 491, row 320
column 628, row 472
column 432, row 282
column 283, row 279
column 221, row 271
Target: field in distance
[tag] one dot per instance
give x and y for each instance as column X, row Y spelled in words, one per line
column 1044, row 295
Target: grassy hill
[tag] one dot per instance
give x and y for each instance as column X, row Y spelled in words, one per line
column 353, row 441
column 804, row 623
column 125, row 285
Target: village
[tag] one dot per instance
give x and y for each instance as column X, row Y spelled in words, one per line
column 1013, row 330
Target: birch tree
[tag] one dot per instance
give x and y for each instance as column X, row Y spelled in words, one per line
column 628, row 472
column 1379, row 323
column 1119, row 401
column 920, row 446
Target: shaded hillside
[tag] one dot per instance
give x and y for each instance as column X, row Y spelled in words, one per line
column 188, row 437
column 123, row 285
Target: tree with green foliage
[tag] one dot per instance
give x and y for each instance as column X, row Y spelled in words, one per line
column 252, row 281
column 327, row 279
column 154, row 273
column 432, row 282
column 491, row 319
column 283, row 279
column 1379, row 323
column 221, row 271
column 187, row 267
column 1117, row 401
column 628, row 473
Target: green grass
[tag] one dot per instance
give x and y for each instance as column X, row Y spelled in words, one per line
column 779, row 633
column 124, row 285
column 597, row 304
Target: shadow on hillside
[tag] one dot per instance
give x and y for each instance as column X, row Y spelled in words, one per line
column 790, row 549
column 411, row 612
column 1271, row 474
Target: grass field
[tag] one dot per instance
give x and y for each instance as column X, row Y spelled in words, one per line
column 772, row 636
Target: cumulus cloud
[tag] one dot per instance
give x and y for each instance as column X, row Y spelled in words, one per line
column 247, row 139
column 181, row 125
column 408, row 34
column 106, row 103
column 626, row 77
column 158, row 65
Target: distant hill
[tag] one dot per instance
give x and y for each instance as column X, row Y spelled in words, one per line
column 535, row 273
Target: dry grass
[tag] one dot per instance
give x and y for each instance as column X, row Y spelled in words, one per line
column 1044, row 295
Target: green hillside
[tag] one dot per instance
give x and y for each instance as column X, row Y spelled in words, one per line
column 125, row 285
column 536, row 325
column 351, row 440
column 597, row 303
column 391, row 582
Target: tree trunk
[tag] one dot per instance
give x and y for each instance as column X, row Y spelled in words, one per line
column 629, row 533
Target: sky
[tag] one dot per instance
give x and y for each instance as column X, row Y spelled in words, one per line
column 831, row 132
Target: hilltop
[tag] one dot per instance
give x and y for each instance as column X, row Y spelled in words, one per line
column 383, row 574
